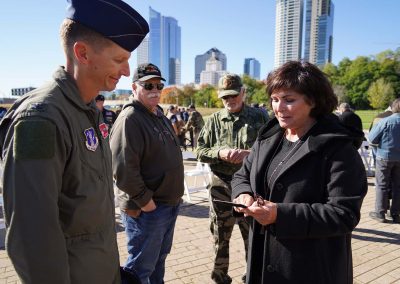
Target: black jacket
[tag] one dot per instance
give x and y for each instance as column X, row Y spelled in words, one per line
column 146, row 158
column 319, row 193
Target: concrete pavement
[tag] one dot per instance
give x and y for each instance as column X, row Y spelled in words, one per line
column 376, row 247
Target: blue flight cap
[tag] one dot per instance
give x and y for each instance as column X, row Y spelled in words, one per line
column 114, row 19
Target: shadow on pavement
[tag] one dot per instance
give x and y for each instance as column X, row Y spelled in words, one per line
column 376, row 236
column 194, row 210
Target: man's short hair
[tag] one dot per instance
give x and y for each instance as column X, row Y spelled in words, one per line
column 344, row 106
column 396, row 106
column 71, row 32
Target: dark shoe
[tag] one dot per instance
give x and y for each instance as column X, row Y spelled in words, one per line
column 396, row 219
column 220, row 278
column 380, row 217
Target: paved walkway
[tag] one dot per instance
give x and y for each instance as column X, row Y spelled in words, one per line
column 376, row 247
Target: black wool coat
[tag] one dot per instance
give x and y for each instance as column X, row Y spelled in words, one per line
column 318, row 192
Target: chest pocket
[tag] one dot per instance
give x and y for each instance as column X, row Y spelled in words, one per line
column 224, row 136
column 248, row 134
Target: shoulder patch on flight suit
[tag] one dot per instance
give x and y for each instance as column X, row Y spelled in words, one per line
column 34, row 139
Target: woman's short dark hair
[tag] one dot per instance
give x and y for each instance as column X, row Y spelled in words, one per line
column 307, row 79
column 396, row 106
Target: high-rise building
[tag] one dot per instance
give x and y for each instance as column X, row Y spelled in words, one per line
column 163, row 46
column 143, row 52
column 288, row 31
column 200, row 62
column 252, row 68
column 318, row 31
column 213, row 71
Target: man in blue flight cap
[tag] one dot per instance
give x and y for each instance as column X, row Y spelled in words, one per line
column 58, row 188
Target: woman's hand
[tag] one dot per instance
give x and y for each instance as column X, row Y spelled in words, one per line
column 264, row 214
column 245, row 199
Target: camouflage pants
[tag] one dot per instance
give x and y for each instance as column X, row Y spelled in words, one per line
column 221, row 225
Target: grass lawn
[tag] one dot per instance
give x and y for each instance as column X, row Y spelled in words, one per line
column 367, row 116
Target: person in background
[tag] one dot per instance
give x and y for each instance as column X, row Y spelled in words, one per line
column 348, row 117
column 57, row 182
column 148, row 171
column 224, row 141
column 263, row 107
column 377, row 118
column 185, row 115
column 386, row 136
column 194, row 124
column 177, row 123
column 3, row 111
column 109, row 116
column 303, row 184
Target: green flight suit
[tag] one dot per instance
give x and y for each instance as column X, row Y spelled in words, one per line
column 58, row 189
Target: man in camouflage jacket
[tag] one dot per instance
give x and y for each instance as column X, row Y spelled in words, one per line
column 194, row 124
column 224, row 142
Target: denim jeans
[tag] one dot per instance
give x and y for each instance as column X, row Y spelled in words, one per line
column 149, row 240
column 387, row 176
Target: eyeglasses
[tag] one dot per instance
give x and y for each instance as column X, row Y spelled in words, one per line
column 229, row 97
column 151, row 86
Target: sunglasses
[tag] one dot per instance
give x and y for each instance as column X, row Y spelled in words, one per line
column 229, row 97
column 151, row 86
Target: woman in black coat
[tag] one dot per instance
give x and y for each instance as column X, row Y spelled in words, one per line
column 303, row 183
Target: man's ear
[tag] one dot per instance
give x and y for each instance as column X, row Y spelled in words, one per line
column 81, row 52
column 134, row 86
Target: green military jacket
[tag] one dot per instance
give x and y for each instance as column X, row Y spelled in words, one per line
column 58, row 189
column 225, row 130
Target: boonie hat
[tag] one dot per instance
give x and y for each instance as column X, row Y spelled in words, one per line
column 146, row 71
column 114, row 19
column 229, row 84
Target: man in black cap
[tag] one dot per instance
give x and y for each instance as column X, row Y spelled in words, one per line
column 148, row 170
column 58, row 187
column 109, row 116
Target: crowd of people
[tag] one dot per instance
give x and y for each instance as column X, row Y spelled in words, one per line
column 293, row 180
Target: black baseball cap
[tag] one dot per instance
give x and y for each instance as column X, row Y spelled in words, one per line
column 146, row 71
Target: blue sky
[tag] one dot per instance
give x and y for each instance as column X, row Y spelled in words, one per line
column 30, row 50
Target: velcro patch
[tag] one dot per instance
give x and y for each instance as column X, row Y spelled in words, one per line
column 34, row 139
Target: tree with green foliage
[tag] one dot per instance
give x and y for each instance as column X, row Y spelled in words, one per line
column 351, row 79
column 255, row 90
column 357, row 78
column 380, row 94
column 189, row 92
column 207, row 96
